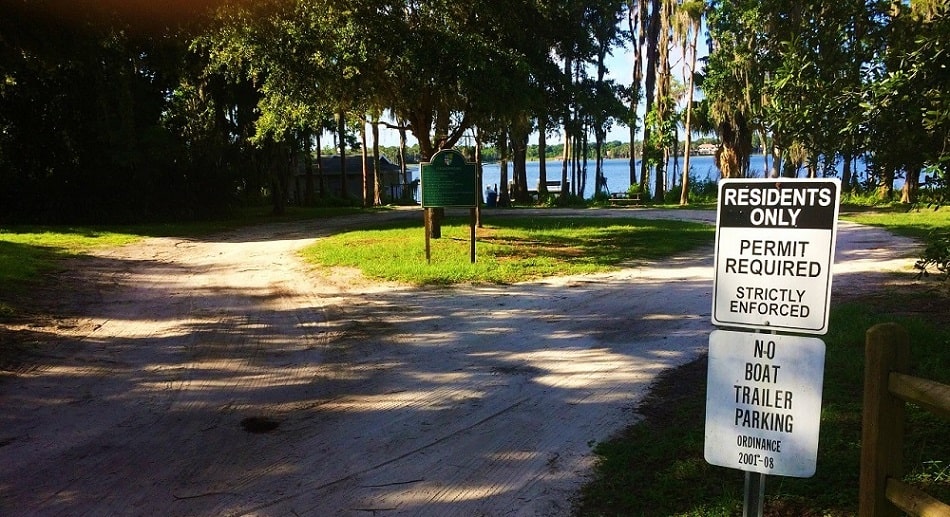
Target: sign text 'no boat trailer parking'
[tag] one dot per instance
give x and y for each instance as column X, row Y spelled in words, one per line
column 763, row 402
column 775, row 244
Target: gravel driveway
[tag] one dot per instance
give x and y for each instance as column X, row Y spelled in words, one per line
column 218, row 376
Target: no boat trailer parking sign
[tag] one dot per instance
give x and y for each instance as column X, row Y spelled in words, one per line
column 775, row 244
column 763, row 402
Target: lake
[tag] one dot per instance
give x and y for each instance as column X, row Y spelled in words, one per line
column 617, row 172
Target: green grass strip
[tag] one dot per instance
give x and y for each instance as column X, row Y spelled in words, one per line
column 508, row 249
column 916, row 222
column 26, row 253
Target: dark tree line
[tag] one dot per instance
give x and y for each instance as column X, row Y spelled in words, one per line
column 111, row 111
column 117, row 113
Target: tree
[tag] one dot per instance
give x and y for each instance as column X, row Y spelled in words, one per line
column 636, row 24
column 812, row 56
column 605, row 106
column 733, row 82
column 664, row 129
column 687, row 23
column 652, row 57
column 832, row 78
column 100, row 121
column 905, row 105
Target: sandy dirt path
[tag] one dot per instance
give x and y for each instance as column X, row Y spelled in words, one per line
column 218, row 376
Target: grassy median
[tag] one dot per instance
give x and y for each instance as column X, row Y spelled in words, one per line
column 507, row 249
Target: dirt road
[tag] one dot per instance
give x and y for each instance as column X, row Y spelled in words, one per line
column 218, row 376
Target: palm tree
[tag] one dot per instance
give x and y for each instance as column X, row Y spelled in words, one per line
column 686, row 26
column 636, row 23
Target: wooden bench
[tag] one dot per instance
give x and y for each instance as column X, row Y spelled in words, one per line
column 552, row 187
column 624, row 199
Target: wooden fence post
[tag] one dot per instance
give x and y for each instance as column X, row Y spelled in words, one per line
column 887, row 349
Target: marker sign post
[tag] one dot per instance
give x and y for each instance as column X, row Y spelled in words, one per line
column 448, row 181
column 775, row 244
column 763, row 402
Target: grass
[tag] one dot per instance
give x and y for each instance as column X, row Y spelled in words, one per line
column 648, row 469
column 508, row 249
column 916, row 222
column 28, row 253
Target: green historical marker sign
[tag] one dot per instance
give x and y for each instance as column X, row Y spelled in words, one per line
column 449, row 181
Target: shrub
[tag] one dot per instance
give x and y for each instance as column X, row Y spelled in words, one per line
column 936, row 254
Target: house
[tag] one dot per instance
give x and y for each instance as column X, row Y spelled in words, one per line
column 707, row 149
column 392, row 184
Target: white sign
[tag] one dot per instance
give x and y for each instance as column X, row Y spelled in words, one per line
column 763, row 402
column 775, row 244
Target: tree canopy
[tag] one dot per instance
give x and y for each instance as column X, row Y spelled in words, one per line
column 829, row 80
column 121, row 111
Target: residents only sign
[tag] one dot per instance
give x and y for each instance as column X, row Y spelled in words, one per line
column 775, row 244
column 763, row 402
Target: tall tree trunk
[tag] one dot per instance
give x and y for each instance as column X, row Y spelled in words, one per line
column 377, row 195
column 652, row 42
column 776, row 171
column 341, row 135
column 479, row 176
column 520, row 130
column 664, row 109
column 911, row 186
column 635, row 11
column 846, row 173
column 308, row 163
column 885, row 185
column 504, row 197
column 403, row 169
column 320, row 177
column 600, row 133
column 542, row 158
column 585, row 152
column 684, row 193
column 367, row 187
column 567, row 154
column 732, row 158
column 280, row 166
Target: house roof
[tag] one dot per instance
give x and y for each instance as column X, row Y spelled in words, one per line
column 354, row 163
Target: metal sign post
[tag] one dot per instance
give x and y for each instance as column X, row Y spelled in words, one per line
column 753, row 501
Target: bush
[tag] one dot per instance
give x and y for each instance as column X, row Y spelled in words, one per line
column 601, row 199
column 703, row 191
column 936, row 254
column 936, row 189
column 700, row 191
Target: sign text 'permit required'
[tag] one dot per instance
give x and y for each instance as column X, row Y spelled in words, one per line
column 775, row 242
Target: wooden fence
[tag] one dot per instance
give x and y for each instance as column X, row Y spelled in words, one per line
column 887, row 388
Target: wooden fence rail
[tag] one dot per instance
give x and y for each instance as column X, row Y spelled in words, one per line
column 887, row 388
